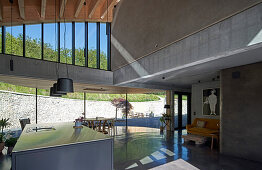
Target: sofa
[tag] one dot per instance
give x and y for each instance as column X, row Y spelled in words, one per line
column 211, row 126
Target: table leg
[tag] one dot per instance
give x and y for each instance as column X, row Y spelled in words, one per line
column 212, row 142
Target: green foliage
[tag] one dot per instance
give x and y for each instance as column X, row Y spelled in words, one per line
column 3, row 124
column 10, row 142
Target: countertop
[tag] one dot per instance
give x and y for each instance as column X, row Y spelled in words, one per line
column 60, row 134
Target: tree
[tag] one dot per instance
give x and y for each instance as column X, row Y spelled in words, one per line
column 121, row 103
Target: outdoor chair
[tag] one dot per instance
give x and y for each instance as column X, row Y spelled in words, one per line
column 23, row 122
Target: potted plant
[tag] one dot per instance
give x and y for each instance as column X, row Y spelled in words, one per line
column 162, row 120
column 10, row 143
column 3, row 124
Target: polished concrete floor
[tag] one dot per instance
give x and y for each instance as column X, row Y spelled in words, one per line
column 146, row 148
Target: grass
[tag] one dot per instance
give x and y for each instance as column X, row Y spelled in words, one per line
column 89, row 96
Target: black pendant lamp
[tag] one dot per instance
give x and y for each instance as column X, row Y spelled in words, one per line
column 54, row 94
column 65, row 85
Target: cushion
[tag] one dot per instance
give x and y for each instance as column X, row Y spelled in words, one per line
column 201, row 124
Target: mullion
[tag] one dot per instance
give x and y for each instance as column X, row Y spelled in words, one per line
column 73, row 43
column 3, row 39
column 98, row 45
column 42, row 41
column 24, row 36
column 108, row 32
column 86, row 44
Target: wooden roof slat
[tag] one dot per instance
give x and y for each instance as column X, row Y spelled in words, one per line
column 108, row 5
column 79, row 6
column 21, row 5
column 93, row 6
column 43, row 9
column 62, row 8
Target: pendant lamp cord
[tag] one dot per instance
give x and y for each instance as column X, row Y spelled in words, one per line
column 11, row 29
column 57, row 64
column 65, row 43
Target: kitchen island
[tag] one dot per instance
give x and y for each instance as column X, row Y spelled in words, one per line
column 60, row 146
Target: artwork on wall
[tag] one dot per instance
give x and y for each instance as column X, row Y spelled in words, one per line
column 211, row 102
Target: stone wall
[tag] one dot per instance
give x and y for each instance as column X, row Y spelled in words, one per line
column 53, row 109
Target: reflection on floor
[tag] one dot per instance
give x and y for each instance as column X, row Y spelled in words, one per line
column 145, row 148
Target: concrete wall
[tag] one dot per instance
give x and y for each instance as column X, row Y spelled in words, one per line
column 197, row 101
column 241, row 119
column 142, row 27
column 219, row 42
column 46, row 70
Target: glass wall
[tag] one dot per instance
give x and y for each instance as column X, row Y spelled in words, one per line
column 103, row 46
column 92, row 31
column 80, row 44
column 50, row 42
column 85, row 39
column 14, row 40
column 66, row 43
column 1, row 39
column 33, row 41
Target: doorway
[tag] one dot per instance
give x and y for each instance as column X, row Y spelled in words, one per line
column 182, row 109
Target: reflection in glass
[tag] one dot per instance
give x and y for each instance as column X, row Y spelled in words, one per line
column 33, row 41
column 92, row 45
column 66, row 43
column 50, row 42
column 80, row 44
column 14, row 42
column 103, row 46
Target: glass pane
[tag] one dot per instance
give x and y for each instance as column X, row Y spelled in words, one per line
column 33, row 41
column 92, row 45
column 80, row 44
column 184, row 111
column 15, row 46
column 59, row 109
column 66, row 43
column 50, row 42
column 103, row 46
column 0, row 39
column 176, row 110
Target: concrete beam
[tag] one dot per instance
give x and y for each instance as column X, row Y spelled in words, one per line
column 21, row 5
column 225, row 44
column 40, row 69
column 43, row 9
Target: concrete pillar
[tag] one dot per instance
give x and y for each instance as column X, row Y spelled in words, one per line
column 170, row 101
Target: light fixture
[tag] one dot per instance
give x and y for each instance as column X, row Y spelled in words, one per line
column 65, row 85
column 54, row 94
column 167, row 106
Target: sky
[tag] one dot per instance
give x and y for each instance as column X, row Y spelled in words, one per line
column 34, row 31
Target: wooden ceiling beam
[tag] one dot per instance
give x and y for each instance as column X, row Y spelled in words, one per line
column 43, row 9
column 1, row 10
column 108, row 5
column 93, row 6
column 79, row 6
column 21, row 5
column 62, row 8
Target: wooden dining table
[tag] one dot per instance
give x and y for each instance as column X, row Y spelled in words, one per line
column 92, row 122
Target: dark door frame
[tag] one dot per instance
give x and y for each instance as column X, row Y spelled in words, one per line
column 180, row 94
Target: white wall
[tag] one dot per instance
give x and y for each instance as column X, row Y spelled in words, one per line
column 196, row 106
